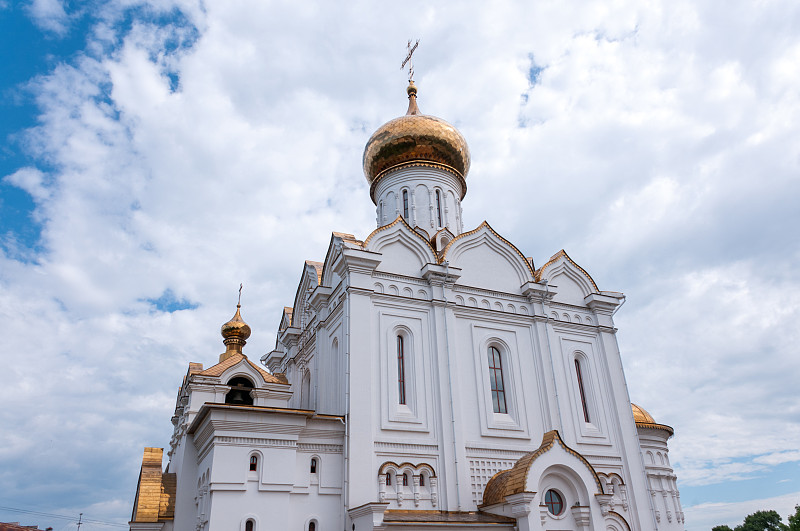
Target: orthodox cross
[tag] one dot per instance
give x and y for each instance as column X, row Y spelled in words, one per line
column 408, row 60
column 240, row 295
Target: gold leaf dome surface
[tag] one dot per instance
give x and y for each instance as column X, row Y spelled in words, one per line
column 415, row 138
column 644, row 419
column 236, row 327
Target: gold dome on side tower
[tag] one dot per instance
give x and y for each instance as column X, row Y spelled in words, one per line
column 643, row 419
column 234, row 335
column 415, row 139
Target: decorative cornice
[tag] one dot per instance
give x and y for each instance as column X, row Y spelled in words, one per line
column 421, row 164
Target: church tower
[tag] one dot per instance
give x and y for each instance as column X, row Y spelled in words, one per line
column 416, row 166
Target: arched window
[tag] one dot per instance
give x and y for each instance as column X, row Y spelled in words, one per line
column 421, row 480
column 405, row 479
column 401, row 371
column 312, row 526
column 581, row 389
column 405, row 205
column 439, row 207
column 496, row 381
column 313, row 465
column 388, row 478
column 253, row 463
column 249, row 525
column 240, row 392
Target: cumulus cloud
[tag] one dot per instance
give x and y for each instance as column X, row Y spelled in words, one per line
column 707, row 515
column 49, row 15
column 203, row 145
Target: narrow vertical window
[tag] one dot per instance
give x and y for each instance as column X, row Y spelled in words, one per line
column 401, row 371
column 253, row 463
column 405, row 205
column 388, row 478
column 496, row 381
column 405, row 479
column 312, row 526
column 580, row 388
column 421, row 480
column 249, row 526
column 313, row 465
column 439, row 207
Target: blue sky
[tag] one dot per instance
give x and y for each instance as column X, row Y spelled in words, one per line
column 155, row 154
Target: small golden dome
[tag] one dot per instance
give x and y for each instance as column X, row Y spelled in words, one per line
column 640, row 415
column 413, row 139
column 234, row 334
column 236, row 327
column 644, row 419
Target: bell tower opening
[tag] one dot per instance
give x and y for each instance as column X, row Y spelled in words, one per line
column 240, row 392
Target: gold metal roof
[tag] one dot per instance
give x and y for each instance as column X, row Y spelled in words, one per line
column 234, row 335
column 644, row 419
column 416, row 139
column 512, row 481
column 235, row 358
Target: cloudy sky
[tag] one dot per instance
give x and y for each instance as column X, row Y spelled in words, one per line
column 155, row 154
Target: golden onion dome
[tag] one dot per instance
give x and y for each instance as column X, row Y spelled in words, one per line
column 234, row 335
column 644, row 419
column 416, row 139
column 236, row 327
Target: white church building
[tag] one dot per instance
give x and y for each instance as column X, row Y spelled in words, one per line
column 425, row 377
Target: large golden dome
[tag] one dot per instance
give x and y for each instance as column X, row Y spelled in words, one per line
column 416, row 139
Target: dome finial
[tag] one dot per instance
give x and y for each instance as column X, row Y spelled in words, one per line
column 412, row 88
column 413, row 109
column 235, row 332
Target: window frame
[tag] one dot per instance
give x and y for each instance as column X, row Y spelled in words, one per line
column 514, row 422
column 401, row 371
column 406, row 209
column 439, row 208
column 498, row 392
column 550, row 503
column 581, row 389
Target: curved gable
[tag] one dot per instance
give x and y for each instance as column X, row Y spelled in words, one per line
column 309, row 279
column 573, row 282
column 488, row 260
column 524, row 476
column 402, row 247
column 330, row 278
column 239, row 365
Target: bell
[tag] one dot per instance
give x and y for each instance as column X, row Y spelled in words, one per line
column 237, row 397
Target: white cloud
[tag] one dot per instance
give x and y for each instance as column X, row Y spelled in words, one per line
column 49, row 15
column 664, row 162
column 707, row 515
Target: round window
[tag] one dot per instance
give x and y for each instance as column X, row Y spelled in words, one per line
column 554, row 502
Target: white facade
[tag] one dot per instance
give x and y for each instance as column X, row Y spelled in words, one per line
column 382, row 376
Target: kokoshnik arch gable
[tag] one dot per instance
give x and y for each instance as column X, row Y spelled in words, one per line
column 425, row 377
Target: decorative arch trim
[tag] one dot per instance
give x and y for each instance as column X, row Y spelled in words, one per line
column 400, row 221
column 391, row 465
column 562, row 254
column 508, row 482
column 484, row 226
column 613, row 515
